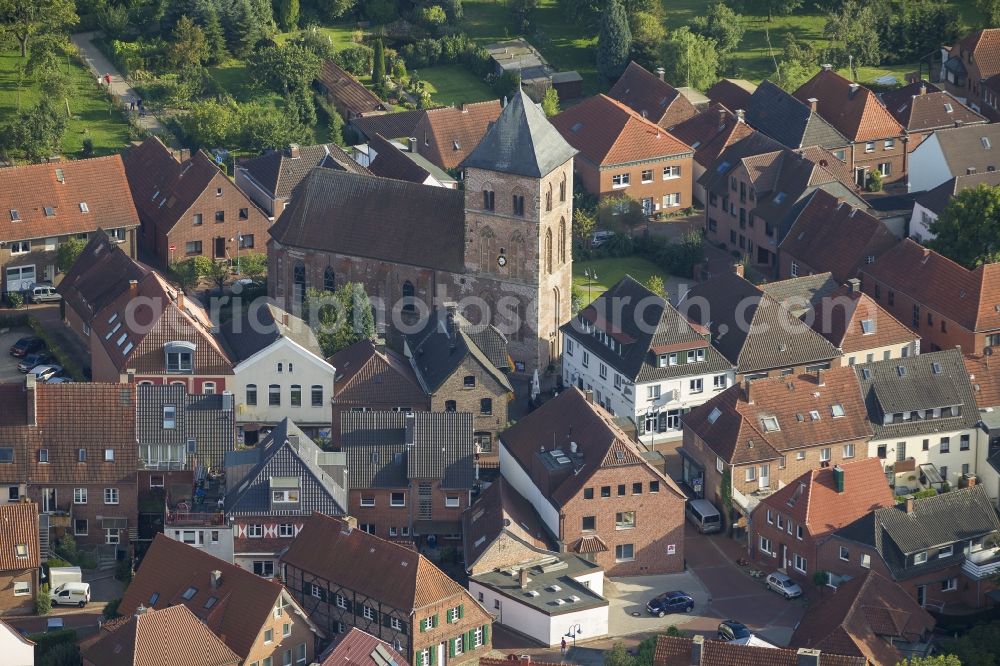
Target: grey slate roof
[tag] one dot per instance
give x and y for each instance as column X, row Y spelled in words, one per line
column 937, row 198
column 390, row 125
column 286, row 452
column 522, row 141
column 279, row 173
column 801, row 293
column 261, row 326
column 440, row 347
column 785, row 119
column 774, row 338
column 887, row 392
column 202, row 418
column 649, row 321
column 958, row 515
column 379, row 457
column 378, row 218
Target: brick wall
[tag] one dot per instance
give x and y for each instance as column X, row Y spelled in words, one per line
column 299, row 634
column 656, row 187
column 473, row 617
column 470, row 400
column 18, row 605
column 895, row 156
column 127, row 507
column 385, row 516
column 504, row 551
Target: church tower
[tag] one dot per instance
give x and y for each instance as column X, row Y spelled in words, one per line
column 518, row 230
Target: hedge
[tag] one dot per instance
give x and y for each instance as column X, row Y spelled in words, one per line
column 48, row 640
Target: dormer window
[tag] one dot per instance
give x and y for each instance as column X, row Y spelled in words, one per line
column 285, row 496
column 867, row 326
column 179, row 356
column 696, row 356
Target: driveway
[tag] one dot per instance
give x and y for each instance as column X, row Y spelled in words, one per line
column 8, row 364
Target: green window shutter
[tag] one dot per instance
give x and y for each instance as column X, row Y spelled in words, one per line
column 486, row 634
column 451, row 648
column 434, row 655
column 421, row 626
column 461, row 611
column 470, row 640
column 434, row 621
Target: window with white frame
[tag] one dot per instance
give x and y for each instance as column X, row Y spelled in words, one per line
column 452, row 501
column 845, row 554
column 315, row 590
column 396, row 623
column 459, row 644
column 800, row 563
column 719, row 382
column 624, row 552
column 620, row 180
column 653, row 391
column 949, row 585
column 647, row 175
column 947, row 551
column 300, row 655
column 751, row 473
column 870, row 147
column 286, row 530
column 848, row 450
column 765, row 545
column 169, row 417
column 672, row 171
column 79, row 496
column 111, row 496
column 824, row 454
column 340, row 601
column 477, row 637
column 719, row 465
column 454, row 614
column 255, row 531
column 696, row 385
column 672, row 199
column 920, row 558
column 368, row 612
column 368, row 500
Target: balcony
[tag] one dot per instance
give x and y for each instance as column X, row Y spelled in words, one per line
column 181, row 518
column 981, row 564
column 200, row 505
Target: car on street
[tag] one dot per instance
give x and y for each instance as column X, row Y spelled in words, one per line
column 731, row 630
column 44, row 373
column 783, row 585
column 599, row 238
column 670, row 602
column 32, row 360
column 43, row 292
column 27, row 345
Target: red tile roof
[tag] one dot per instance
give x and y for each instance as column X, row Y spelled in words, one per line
column 711, row 132
column 651, row 97
column 19, row 527
column 500, row 508
column 839, row 316
column 97, row 184
column 984, row 46
column 607, row 132
column 347, row 92
column 985, row 378
column 367, row 374
column 857, row 113
column 812, row 499
column 447, row 135
column 677, row 651
column 970, row 298
column 359, row 648
column 921, row 106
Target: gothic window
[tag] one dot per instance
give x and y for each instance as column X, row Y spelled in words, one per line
column 298, row 282
column 329, row 279
column 486, row 249
column 488, row 199
column 548, row 199
column 562, row 240
column 548, row 250
column 517, row 205
column 562, row 189
column 408, row 297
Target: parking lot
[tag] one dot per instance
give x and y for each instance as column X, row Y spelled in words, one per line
column 8, row 364
column 628, row 597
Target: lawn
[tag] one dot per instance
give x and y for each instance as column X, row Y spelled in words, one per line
column 610, row 271
column 340, row 35
column 454, row 84
column 92, row 117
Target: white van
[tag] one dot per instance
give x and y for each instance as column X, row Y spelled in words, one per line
column 71, row 594
column 703, row 515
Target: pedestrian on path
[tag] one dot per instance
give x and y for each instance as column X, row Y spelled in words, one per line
column 107, row 79
column 100, row 81
column 131, row 103
column 563, row 647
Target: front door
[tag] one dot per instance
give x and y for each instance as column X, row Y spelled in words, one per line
column 441, row 654
column 48, row 500
column 783, row 565
column 652, row 422
column 861, row 176
column 764, row 479
column 921, row 594
column 220, row 248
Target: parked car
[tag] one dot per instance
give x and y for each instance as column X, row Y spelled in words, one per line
column 71, row 594
column 731, row 630
column 43, row 292
column 44, row 373
column 670, row 602
column 54, row 624
column 599, row 238
column 25, row 346
column 59, row 379
column 784, row 585
column 32, row 360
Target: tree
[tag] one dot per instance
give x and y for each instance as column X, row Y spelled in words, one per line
column 283, row 68
column 723, row 25
column 344, row 317
column 37, row 131
column 775, row 7
column 333, row 10
column 210, row 123
column 378, row 66
column 550, row 103
column 26, row 18
column 218, row 272
column 68, row 252
column 968, row 230
column 43, row 602
column 655, row 284
column 260, row 128
column 254, row 266
column 614, row 42
column 621, row 211
column 990, row 11
column 583, row 225
column 980, row 646
column 936, row 660
column 521, row 11
column 288, row 14
column 648, row 35
column 797, row 65
column 690, row 59
column 185, row 273
column 188, row 49
column 337, row 128
column 207, row 15
column 854, row 32
column 619, row 656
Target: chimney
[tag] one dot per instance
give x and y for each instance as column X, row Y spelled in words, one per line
column 411, row 424
column 807, row 657
column 722, row 118
column 350, row 523
column 746, row 392
column 216, row 579
column 589, row 395
column 30, row 399
column 741, row 116
column 739, row 269
column 660, row 72
column 922, row 89
column 141, row 610
column 284, row 318
column 820, row 380
column 293, row 151
column 522, row 578
column 909, row 504
column 826, row 67
column 697, row 649
column 133, row 288
column 812, row 101
column 180, row 300
column 838, row 478
column 852, row 90
column 411, row 144
column 854, row 285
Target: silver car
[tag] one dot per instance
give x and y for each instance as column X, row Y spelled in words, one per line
column 784, row 585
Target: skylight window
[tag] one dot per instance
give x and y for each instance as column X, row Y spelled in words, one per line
column 867, row 326
column 211, row 602
column 49, row 211
column 14, row 215
column 901, row 370
column 189, row 593
column 84, row 208
column 714, row 415
column 814, row 415
column 948, row 108
column 576, row 127
column 770, row 423
column 696, row 144
column 113, row 331
column 724, row 167
column 127, row 349
column 837, row 410
column 112, row 318
column 985, row 140
column 936, row 368
column 60, row 175
column 866, row 373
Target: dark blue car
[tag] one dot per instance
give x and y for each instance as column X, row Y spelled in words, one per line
column 670, row 602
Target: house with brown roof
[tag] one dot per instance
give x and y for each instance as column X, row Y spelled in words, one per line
column 389, row 159
column 258, row 619
column 877, row 140
column 349, row 97
column 789, row 526
column 765, row 433
column 869, row 617
column 359, row 648
column 502, row 529
column 171, row 635
column 621, row 152
column 44, row 205
column 830, row 235
column 709, row 133
column 71, row 450
column 191, row 209
column 928, row 206
column 20, row 557
column 946, row 304
column 269, row 179
column 734, row 94
column 168, row 340
column 921, row 108
column 397, row 125
column 697, row 651
column 446, row 136
column 593, row 488
column 344, row 577
column 967, row 65
column 651, row 97
column 948, row 153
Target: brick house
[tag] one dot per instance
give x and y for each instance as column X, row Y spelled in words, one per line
column 792, row 123
column 946, row 304
column 191, row 209
column 258, row 619
column 941, row 550
column 696, row 651
column 352, row 648
column 593, row 489
column 79, row 471
column 140, row 326
column 446, row 136
column 756, row 187
column 464, row 369
column 877, row 140
column 790, row 526
column 47, row 204
column 20, row 558
column 622, row 152
column 762, row 435
column 709, row 133
column 921, row 108
column 968, row 68
column 411, row 473
column 843, row 622
column 829, row 234
column 371, row 376
column 344, row 577
column 651, row 97
column 502, row 529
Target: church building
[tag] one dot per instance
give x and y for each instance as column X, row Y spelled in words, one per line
column 501, row 246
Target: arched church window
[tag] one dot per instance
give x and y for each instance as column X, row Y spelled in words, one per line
column 562, row 189
column 298, row 282
column 329, row 279
column 548, row 250
column 548, row 199
column 562, row 240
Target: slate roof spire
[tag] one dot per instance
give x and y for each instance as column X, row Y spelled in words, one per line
column 522, row 141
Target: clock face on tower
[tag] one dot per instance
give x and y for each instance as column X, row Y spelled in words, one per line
column 501, row 261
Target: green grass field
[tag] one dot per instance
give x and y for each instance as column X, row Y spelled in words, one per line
column 91, row 113
column 454, row 84
column 610, row 271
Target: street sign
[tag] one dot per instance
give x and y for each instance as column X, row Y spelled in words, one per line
column 173, row 247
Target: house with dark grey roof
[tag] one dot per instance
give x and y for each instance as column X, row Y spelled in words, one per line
column 269, row 179
column 940, row 548
column 642, row 359
column 410, row 473
column 957, row 151
column 278, row 372
column 273, row 488
column 463, row 368
column 394, row 160
column 923, row 412
column 792, row 123
column 177, row 430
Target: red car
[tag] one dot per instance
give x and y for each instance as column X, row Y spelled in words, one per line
column 25, row 346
